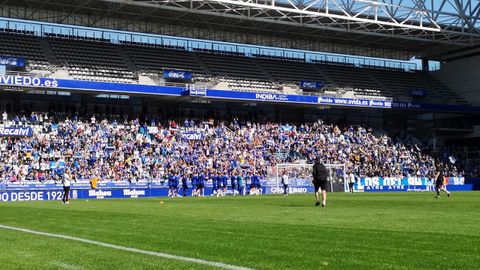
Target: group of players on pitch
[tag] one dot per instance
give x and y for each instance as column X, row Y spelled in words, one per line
column 249, row 183
column 240, row 183
column 252, row 184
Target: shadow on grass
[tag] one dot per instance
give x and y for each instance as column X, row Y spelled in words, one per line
column 298, row 205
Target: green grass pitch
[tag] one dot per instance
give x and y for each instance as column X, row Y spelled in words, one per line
column 359, row 231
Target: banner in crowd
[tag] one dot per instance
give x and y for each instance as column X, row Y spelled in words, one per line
column 180, row 75
column 16, row 132
column 12, row 61
column 310, row 85
column 285, row 128
column 193, row 136
column 78, row 185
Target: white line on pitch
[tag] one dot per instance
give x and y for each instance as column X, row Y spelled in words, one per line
column 130, row 249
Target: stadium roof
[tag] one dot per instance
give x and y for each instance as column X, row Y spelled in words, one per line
column 423, row 28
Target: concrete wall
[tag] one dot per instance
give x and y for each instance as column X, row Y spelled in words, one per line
column 463, row 77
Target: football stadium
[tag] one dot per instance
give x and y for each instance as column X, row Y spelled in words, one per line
column 239, row 134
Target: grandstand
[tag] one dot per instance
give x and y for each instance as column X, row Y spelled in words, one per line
column 105, row 99
column 260, row 77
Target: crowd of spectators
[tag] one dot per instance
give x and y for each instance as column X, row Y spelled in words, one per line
column 131, row 150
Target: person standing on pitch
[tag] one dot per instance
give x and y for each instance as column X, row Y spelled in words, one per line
column 66, row 186
column 285, row 182
column 320, row 178
column 185, row 184
column 351, row 181
column 440, row 181
column 240, row 186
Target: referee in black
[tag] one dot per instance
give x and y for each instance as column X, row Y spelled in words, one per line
column 320, row 180
column 66, row 186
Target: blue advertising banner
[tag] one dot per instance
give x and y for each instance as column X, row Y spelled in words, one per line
column 181, row 75
column 89, row 85
column 52, row 83
column 350, row 102
column 16, row 132
column 291, row 190
column 310, row 85
column 12, row 61
column 197, row 92
column 57, row 194
column 400, row 183
column 435, row 107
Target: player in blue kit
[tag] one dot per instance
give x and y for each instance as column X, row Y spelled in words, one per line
column 194, row 179
column 224, row 183
column 213, row 176
column 258, row 185
column 219, row 184
column 254, row 179
column 176, row 182
column 240, row 184
column 201, row 185
column 233, row 179
column 248, row 183
column 184, row 185
column 170, row 183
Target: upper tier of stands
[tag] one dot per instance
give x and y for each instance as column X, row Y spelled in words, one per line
column 23, row 45
column 90, row 60
column 102, row 60
column 152, row 59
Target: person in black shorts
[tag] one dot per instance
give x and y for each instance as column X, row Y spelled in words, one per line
column 66, row 186
column 440, row 181
column 320, row 180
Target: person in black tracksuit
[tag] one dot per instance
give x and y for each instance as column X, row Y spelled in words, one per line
column 320, row 180
column 440, row 181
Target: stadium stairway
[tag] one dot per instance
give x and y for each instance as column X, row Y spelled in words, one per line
column 262, row 69
column 126, row 58
column 48, row 51
column 201, row 64
column 328, row 80
column 375, row 81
